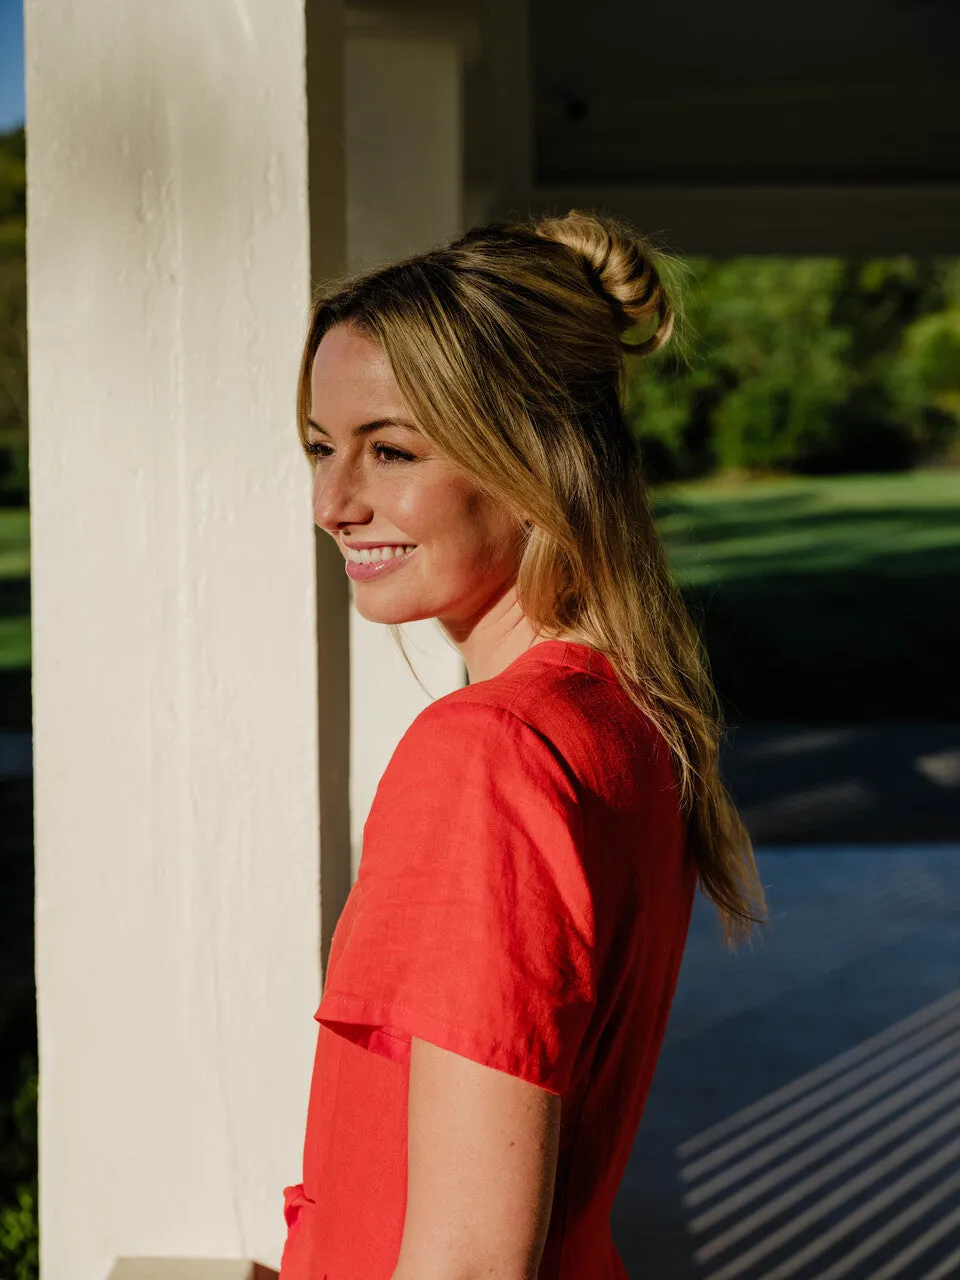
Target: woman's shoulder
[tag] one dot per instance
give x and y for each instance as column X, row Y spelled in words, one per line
column 565, row 705
column 465, row 761
column 497, row 726
column 562, row 714
column 540, row 698
column 468, row 721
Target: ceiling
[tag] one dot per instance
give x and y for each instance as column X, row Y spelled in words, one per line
column 828, row 126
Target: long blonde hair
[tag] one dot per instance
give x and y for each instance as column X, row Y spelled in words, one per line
column 509, row 348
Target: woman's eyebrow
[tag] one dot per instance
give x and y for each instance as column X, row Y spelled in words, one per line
column 366, row 427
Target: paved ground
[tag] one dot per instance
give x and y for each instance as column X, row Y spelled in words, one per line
column 17, row 996
column 877, row 785
column 16, row 755
column 805, row 1117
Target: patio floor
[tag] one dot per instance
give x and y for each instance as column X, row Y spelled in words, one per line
column 804, row 1121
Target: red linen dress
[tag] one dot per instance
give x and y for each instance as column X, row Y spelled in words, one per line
column 523, row 899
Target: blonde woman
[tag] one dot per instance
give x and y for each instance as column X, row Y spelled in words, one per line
column 500, row 978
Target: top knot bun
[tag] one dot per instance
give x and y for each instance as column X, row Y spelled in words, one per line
column 622, row 267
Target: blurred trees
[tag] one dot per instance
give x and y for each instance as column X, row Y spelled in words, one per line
column 809, row 365
column 14, row 481
column 19, row 1230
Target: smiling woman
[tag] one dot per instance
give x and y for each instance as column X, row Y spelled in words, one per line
column 500, row 977
column 379, row 481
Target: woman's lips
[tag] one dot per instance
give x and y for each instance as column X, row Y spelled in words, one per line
column 365, row 572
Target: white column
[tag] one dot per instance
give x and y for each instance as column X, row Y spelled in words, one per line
column 404, row 134
column 177, row 749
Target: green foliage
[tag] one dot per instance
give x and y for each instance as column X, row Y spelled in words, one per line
column 772, row 330
column 805, row 365
column 14, row 477
column 19, row 1231
column 13, row 176
column 15, row 638
column 925, row 378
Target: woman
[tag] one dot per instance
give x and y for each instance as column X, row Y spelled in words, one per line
column 500, row 977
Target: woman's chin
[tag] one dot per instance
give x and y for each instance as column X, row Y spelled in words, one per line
column 387, row 613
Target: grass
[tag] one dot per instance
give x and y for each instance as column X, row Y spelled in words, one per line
column 720, row 532
column 825, row 599
column 14, row 588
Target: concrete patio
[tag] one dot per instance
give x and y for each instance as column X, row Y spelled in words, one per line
column 805, row 1117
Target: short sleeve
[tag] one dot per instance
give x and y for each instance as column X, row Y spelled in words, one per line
column 473, row 924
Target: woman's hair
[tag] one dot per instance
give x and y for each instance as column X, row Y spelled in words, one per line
column 509, row 348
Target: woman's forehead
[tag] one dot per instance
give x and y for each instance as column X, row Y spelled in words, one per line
column 349, row 368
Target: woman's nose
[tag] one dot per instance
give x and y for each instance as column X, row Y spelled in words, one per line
column 338, row 497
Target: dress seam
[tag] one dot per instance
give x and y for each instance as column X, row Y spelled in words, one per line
column 507, row 715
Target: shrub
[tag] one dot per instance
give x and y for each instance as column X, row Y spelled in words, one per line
column 19, row 1231
column 805, row 365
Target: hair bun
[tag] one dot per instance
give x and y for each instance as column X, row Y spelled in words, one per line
column 622, row 267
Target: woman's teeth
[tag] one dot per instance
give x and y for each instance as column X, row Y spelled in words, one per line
column 372, row 555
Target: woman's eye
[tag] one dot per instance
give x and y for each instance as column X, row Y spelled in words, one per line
column 386, row 454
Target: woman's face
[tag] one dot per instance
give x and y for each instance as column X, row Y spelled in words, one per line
column 386, row 484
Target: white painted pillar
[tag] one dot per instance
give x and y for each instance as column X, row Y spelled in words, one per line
column 177, row 750
column 404, row 132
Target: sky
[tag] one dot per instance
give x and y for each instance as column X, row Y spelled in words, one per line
column 11, row 64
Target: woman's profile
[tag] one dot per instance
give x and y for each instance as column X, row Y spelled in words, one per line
column 500, row 977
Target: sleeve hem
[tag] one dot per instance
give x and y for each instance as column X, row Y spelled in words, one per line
column 393, row 1018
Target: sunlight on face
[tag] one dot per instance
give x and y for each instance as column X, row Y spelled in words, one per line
column 390, row 485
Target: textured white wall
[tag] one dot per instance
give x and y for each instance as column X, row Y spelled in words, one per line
column 404, row 134
column 174, row 623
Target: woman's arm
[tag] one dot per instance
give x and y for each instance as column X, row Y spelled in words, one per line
column 481, row 1164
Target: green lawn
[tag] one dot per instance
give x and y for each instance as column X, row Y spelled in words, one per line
column 821, row 599
column 14, row 588
column 825, row 599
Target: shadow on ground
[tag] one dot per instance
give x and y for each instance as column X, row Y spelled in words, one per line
column 878, row 784
column 805, row 1117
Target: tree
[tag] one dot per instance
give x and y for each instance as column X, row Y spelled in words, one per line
column 804, row 364
column 14, row 478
